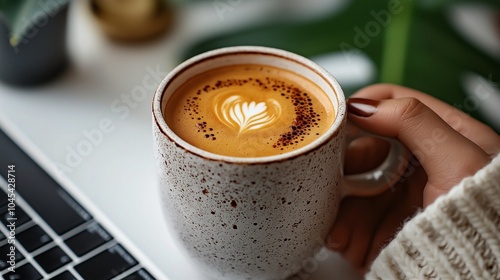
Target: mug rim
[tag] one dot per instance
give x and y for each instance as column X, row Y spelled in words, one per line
column 332, row 131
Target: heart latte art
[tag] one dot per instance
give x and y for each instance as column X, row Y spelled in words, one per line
column 248, row 111
column 246, row 116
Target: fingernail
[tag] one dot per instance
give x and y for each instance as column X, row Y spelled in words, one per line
column 362, row 107
column 338, row 238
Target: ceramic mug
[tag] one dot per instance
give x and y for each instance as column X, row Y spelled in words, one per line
column 259, row 218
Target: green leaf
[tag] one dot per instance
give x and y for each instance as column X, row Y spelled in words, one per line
column 418, row 48
column 21, row 15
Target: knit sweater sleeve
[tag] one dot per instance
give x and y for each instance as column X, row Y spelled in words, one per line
column 456, row 237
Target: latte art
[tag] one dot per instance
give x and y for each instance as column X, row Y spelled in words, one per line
column 249, row 111
column 245, row 116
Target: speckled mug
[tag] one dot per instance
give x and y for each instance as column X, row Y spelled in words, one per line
column 258, row 218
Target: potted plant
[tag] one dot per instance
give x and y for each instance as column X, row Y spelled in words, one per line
column 32, row 40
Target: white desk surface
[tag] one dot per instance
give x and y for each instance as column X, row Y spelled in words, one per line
column 118, row 174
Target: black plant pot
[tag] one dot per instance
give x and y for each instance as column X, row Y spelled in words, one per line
column 40, row 55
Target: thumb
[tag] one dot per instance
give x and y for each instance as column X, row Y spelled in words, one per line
column 446, row 155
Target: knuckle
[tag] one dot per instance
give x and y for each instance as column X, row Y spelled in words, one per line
column 411, row 110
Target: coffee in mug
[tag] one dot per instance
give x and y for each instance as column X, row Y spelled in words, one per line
column 242, row 203
column 269, row 107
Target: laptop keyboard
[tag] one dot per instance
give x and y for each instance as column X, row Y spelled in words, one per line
column 46, row 234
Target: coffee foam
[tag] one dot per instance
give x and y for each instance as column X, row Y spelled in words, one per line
column 243, row 115
column 249, row 111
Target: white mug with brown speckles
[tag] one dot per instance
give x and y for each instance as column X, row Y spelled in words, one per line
column 244, row 217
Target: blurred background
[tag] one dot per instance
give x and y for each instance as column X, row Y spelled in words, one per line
column 447, row 48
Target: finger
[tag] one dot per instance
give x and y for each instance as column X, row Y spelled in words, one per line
column 395, row 218
column 351, row 233
column 362, row 234
column 476, row 131
column 446, row 155
column 365, row 154
column 356, row 222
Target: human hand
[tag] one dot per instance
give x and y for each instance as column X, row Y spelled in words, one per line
column 448, row 145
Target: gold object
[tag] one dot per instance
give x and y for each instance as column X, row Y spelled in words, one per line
column 133, row 20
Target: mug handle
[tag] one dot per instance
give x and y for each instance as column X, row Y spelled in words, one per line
column 383, row 177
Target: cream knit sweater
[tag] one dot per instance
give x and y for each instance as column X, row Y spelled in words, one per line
column 456, row 237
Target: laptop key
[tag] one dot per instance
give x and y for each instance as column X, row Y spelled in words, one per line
column 106, row 264
column 33, row 238
column 52, row 259
column 7, row 255
column 87, row 240
column 66, row 275
column 26, row 271
column 140, row 274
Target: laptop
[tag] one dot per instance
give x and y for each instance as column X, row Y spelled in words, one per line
column 47, row 233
